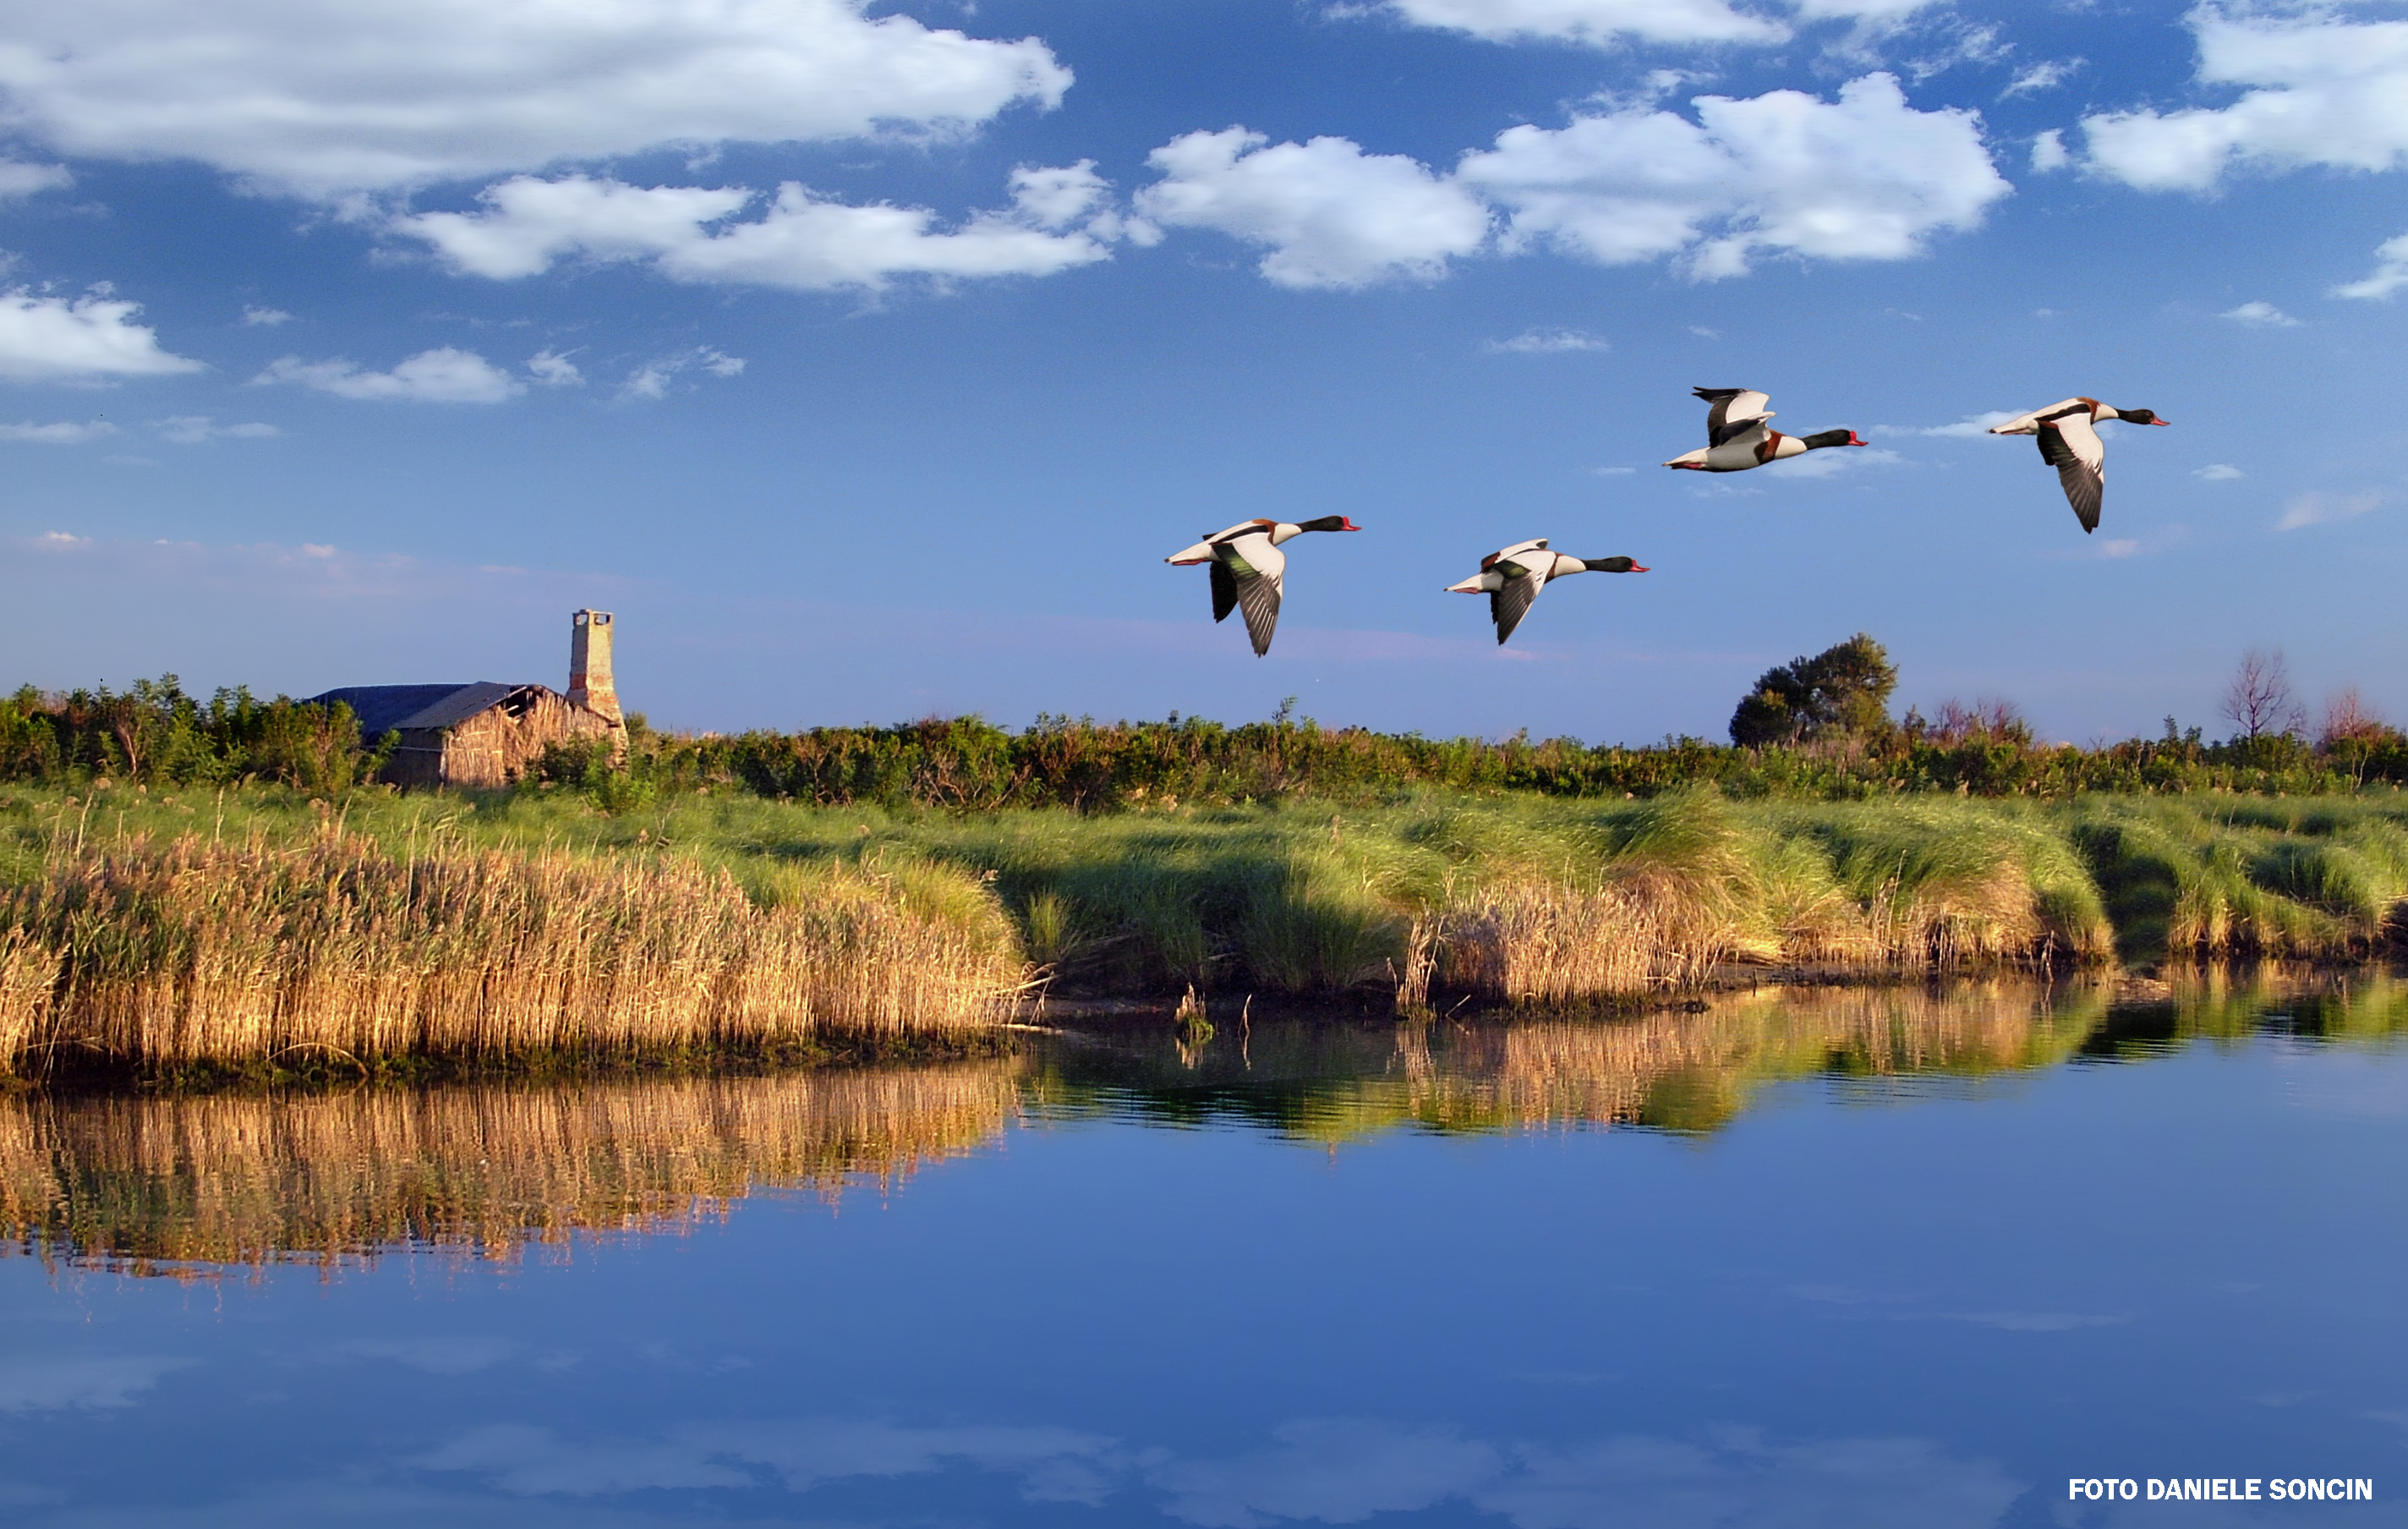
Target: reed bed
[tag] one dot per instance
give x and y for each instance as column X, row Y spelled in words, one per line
column 1421, row 901
column 164, row 956
column 177, row 1184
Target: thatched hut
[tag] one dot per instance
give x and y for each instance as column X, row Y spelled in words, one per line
column 490, row 733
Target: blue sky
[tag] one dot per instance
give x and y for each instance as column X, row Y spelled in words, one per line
column 869, row 362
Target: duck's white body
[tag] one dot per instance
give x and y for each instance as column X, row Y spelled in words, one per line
column 1249, row 570
column 1513, row 576
column 2068, row 434
column 1740, row 435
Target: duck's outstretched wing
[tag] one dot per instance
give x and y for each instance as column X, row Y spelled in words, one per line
column 1735, row 409
column 1258, row 596
column 1513, row 602
column 1224, row 590
column 2080, row 457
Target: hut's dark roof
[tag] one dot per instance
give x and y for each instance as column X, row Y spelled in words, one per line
column 382, row 707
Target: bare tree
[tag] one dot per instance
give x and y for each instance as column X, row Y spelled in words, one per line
column 2348, row 719
column 2260, row 700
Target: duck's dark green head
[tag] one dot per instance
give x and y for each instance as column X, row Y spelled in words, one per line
column 2139, row 417
column 1611, row 564
column 1821, row 438
column 1328, row 523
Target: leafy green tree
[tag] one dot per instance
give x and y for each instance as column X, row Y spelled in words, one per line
column 1840, row 691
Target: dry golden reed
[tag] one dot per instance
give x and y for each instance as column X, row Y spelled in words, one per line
column 1696, row 1069
column 165, row 1184
column 202, row 952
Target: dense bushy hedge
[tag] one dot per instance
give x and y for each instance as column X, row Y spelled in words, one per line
column 157, row 732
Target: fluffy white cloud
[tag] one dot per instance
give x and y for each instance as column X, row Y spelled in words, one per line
column 264, row 317
column 196, row 429
column 2262, row 315
column 1332, row 216
column 2390, row 273
column 64, row 433
column 2318, row 90
column 17, row 179
column 551, row 369
column 46, row 340
column 1599, row 24
column 1866, row 176
column 2048, row 151
column 444, row 375
column 1547, row 342
column 525, row 225
column 1607, row 23
column 318, row 99
column 2219, row 472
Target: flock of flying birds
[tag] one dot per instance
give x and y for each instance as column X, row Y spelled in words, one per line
column 1249, row 570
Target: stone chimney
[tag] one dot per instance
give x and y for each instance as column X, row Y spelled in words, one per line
column 590, row 684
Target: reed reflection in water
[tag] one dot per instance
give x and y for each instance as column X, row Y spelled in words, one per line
column 177, row 1185
column 1692, row 1071
column 182, row 1185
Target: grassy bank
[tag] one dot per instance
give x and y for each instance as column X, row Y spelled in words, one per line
column 159, row 930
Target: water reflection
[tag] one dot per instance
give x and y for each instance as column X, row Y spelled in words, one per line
column 175, row 1184
column 186, row 1185
column 1691, row 1069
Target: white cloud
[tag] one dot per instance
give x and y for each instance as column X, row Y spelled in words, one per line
column 2046, row 75
column 551, row 369
column 195, row 429
column 1972, row 424
column 652, row 379
column 48, row 1385
column 2119, row 547
column 18, row 179
column 443, row 375
column 1739, row 1478
column 1547, row 342
column 2322, row 509
column 60, row 540
column 49, row 340
column 2219, row 472
column 319, row 100
column 2048, row 151
column 1331, row 215
column 2390, row 273
column 2263, row 315
column 1864, row 178
column 525, row 225
column 1340, row 1470
column 267, row 317
column 2320, row 91
column 1598, row 23
column 64, row 433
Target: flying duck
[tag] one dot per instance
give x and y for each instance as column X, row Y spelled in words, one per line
column 1512, row 577
column 1248, row 567
column 1738, row 437
column 2069, row 443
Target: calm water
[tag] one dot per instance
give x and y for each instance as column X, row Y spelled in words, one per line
column 1840, row 1258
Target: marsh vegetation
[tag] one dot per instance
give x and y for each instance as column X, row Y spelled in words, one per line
column 158, row 932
